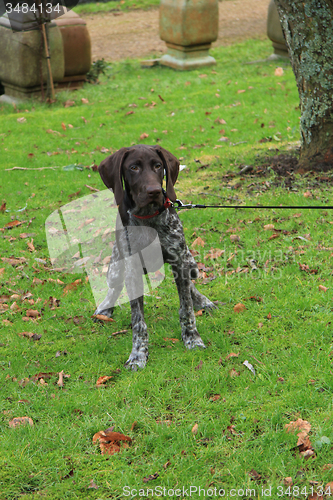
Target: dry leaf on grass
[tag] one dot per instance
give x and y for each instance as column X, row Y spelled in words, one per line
column 234, row 238
column 101, row 381
column 72, row 286
column 62, row 375
column 151, row 477
column 239, row 308
column 30, row 335
column 288, row 481
column 269, row 227
column 298, row 425
column 14, row 261
column 21, row 421
column 323, row 288
column 278, row 71
column 195, row 429
column 110, row 442
column 69, row 103
column 233, row 373
column 216, row 397
column 102, row 317
column 32, row 313
column 93, row 485
column 214, row 253
column 303, row 442
column 232, row 355
column 198, row 242
column 254, row 475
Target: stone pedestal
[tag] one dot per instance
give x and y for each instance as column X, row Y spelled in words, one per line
column 22, row 57
column 274, row 32
column 188, row 27
column 77, row 50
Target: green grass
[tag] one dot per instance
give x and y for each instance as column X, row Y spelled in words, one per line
column 123, row 5
column 287, row 335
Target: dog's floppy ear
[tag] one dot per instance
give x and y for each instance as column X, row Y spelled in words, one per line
column 111, row 174
column 171, row 165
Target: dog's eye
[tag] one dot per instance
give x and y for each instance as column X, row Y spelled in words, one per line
column 158, row 165
column 134, row 167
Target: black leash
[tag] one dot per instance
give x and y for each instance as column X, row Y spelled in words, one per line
column 183, row 206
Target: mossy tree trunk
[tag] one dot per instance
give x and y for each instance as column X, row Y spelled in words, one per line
column 308, row 30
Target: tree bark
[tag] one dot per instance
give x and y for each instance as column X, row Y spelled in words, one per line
column 308, row 29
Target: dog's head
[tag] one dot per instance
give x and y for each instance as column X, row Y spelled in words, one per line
column 139, row 171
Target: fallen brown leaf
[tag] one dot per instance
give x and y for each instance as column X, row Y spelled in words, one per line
column 30, row 245
column 72, row 286
column 32, row 313
column 62, row 375
column 198, row 242
column 254, row 475
column 101, row 381
column 216, row 397
column 232, row 355
column 102, row 317
column 134, row 425
column 151, row 477
column 278, row 71
column 21, row 421
column 69, row 103
column 239, row 308
column 109, row 441
column 298, row 425
column 195, row 429
column 93, row 485
column 214, row 253
column 234, row 238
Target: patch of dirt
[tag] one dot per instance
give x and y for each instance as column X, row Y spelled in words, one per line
column 118, row 35
column 285, row 166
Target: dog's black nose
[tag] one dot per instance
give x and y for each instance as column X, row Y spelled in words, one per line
column 154, row 190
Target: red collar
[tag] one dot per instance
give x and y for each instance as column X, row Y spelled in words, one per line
column 167, row 204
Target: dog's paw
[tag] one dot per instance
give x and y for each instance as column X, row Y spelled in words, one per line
column 193, row 341
column 136, row 360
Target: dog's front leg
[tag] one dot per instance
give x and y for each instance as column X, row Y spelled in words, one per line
column 115, row 281
column 134, row 285
column 190, row 335
column 139, row 355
